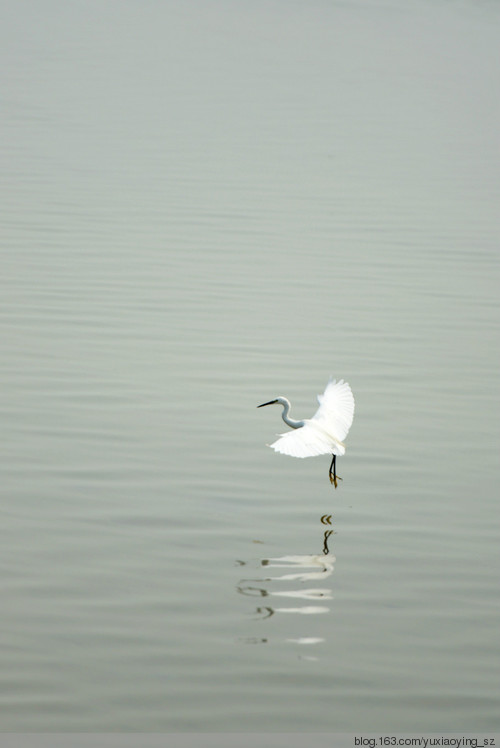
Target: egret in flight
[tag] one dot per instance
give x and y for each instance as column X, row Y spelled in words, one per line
column 324, row 432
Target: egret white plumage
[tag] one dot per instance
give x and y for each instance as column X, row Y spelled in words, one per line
column 324, row 432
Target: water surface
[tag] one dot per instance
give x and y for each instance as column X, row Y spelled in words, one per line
column 205, row 207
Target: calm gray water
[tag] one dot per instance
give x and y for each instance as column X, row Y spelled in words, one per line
column 206, row 205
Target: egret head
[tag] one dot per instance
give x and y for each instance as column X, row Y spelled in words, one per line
column 286, row 409
column 280, row 400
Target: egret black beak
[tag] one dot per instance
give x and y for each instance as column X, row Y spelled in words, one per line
column 271, row 402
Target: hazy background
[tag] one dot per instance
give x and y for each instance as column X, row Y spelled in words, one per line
column 205, row 206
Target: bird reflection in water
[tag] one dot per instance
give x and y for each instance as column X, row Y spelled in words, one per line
column 285, row 591
column 326, row 519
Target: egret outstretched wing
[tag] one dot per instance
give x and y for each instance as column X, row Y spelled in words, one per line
column 336, row 409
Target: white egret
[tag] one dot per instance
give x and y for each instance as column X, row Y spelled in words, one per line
column 324, row 432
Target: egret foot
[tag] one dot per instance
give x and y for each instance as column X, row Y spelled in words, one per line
column 334, row 479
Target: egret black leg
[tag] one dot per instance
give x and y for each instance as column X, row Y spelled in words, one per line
column 332, row 472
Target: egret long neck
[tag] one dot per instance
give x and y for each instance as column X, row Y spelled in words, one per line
column 289, row 421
